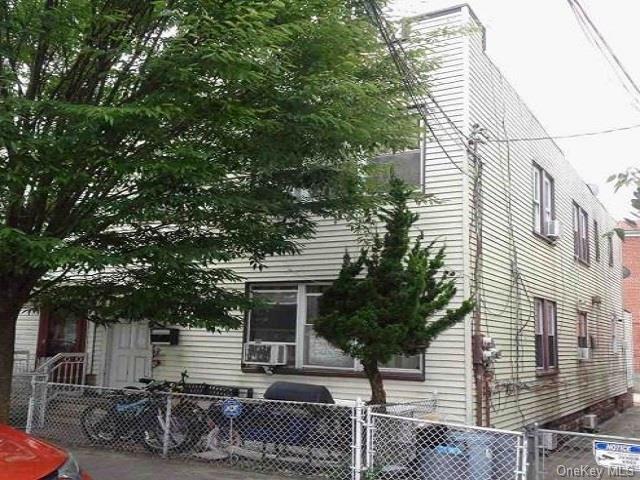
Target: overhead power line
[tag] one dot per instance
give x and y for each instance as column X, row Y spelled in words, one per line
column 564, row 137
column 595, row 36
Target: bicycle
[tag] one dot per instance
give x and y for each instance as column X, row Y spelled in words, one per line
column 140, row 416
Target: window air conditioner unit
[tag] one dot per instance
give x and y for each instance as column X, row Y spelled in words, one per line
column 590, row 421
column 548, row 441
column 270, row 354
column 584, row 353
column 553, row 229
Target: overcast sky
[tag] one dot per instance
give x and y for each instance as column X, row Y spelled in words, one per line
column 567, row 84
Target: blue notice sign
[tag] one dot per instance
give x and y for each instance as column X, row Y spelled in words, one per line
column 617, row 455
column 231, row 408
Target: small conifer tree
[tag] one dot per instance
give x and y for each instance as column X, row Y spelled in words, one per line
column 399, row 305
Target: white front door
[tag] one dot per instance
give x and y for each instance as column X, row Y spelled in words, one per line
column 130, row 354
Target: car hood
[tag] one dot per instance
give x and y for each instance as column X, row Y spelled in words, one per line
column 26, row 458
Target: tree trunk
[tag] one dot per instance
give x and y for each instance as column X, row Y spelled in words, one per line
column 378, row 394
column 14, row 293
column 9, row 311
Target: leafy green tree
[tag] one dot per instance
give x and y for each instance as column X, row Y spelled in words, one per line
column 629, row 178
column 389, row 309
column 144, row 144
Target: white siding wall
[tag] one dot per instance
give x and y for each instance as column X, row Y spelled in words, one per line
column 216, row 358
column 27, row 333
column 548, row 270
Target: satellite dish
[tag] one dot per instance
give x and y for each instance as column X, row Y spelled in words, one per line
column 626, row 273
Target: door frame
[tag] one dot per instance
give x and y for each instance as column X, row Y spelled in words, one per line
column 43, row 330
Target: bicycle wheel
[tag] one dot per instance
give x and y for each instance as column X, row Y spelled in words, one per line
column 179, row 436
column 99, row 424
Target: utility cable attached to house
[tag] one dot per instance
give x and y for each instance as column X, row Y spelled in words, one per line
column 564, row 137
column 422, row 100
column 419, row 94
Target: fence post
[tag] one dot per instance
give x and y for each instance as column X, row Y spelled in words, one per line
column 167, row 427
column 523, row 460
column 532, row 466
column 31, row 411
column 29, row 426
column 369, row 432
column 42, row 400
column 357, row 442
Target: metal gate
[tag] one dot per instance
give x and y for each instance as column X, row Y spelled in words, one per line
column 417, row 449
column 561, row 454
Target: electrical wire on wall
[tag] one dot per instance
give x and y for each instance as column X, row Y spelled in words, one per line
column 419, row 94
column 422, row 100
column 520, row 302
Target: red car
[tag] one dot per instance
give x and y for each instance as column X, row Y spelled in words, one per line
column 23, row 457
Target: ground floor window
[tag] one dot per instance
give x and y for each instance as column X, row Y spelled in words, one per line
column 583, row 330
column 546, row 338
column 285, row 316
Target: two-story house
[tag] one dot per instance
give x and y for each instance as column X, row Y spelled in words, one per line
column 524, row 232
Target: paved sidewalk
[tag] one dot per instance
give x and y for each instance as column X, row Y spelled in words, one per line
column 626, row 424
column 108, row 465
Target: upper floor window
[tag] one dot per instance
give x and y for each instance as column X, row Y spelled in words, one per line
column 286, row 317
column 580, row 233
column 543, row 201
column 610, row 248
column 546, row 338
column 406, row 164
column 596, row 240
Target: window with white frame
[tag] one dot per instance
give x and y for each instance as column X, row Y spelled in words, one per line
column 596, row 240
column 286, row 316
column 610, row 248
column 583, row 330
column 543, row 200
column 616, row 334
column 546, row 339
column 407, row 164
column 580, row 234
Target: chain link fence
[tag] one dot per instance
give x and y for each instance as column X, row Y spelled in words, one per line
column 562, row 454
column 20, row 394
column 300, row 439
column 415, row 449
column 396, row 441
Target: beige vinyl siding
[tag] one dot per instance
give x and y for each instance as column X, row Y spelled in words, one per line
column 216, row 358
column 96, row 351
column 548, row 271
